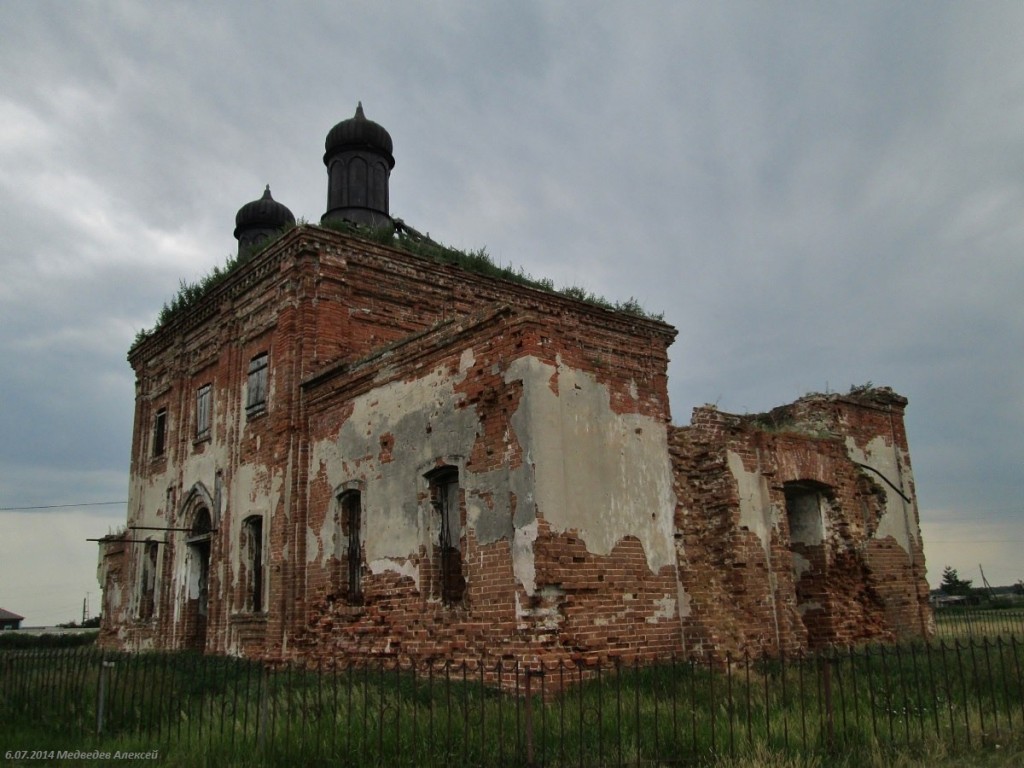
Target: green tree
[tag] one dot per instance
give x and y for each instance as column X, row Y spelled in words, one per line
column 952, row 584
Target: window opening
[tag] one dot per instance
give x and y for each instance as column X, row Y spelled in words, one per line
column 444, row 496
column 160, row 433
column 204, row 401
column 198, row 592
column 803, row 511
column 351, row 526
column 254, row 563
column 256, row 392
column 147, row 582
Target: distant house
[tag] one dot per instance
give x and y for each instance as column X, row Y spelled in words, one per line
column 10, row 620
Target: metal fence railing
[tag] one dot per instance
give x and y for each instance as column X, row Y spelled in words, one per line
column 956, row 622
column 393, row 712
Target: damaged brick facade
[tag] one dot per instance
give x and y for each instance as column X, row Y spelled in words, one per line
column 799, row 528
column 345, row 449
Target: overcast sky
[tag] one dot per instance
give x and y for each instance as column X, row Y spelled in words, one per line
column 817, row 195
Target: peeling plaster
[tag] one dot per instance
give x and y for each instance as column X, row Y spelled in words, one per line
column 604, row 474
column 665, row 609
column 889, row 461
column 427, row 423
column 406, row 568
column 800, row 565
column 753, row 490
column 523, row 564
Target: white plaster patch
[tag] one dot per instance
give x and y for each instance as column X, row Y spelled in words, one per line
column 883, row 457
column 685, row 609
column 313, row 545
column 401, row 567
column 523, row 563
column 606, row 475
column 753, row 491
column 801, row 565
column 809, row 606
column 665, row 609
column 422, row 418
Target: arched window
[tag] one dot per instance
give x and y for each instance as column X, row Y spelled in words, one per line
column 350, row 511
column 357, row 182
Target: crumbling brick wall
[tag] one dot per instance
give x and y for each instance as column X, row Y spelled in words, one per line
column 477, row 392
column 750, row 581
column 589, row 527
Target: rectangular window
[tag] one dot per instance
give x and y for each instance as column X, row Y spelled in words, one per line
column 351, row 524
column 204, row 403
column 445, row 497
column 160, row 432
column 256, row 392
column 252, row 533
column 147, row 581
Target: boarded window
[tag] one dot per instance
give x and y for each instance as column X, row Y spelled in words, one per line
column 204, row 404
column 350, row 504
column 256, row 392
column 446, row 501
column 160, row 432
column 252, row 535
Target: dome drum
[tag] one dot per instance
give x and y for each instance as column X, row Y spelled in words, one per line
column 359, row 162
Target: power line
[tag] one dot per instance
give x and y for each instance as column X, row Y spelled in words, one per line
column 63, row 506
column 974, row 541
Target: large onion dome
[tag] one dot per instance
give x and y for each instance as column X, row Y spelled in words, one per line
column 359, row 162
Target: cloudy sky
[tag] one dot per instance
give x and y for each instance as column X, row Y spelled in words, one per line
column 816, row 195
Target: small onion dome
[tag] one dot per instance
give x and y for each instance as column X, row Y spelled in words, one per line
column 265, row 213
column 260, row 219
column 358, row 133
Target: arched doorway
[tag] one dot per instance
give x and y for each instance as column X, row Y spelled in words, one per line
column 197, row 580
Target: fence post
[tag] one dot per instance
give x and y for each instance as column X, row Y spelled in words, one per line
column 529, row 719
column 101, row 693
column 261, row 727
column 826, row 679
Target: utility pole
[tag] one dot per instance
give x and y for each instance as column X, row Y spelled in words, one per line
column 988, row 587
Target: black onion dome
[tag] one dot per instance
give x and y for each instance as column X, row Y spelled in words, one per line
column 359, row 133
column 263, row 214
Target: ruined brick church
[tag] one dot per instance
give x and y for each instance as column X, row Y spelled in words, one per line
column 348, row 447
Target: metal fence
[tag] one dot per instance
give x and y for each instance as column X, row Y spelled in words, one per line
column 391, row 712
column 956, row 622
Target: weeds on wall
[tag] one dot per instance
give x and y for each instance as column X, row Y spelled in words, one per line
column 403, row 238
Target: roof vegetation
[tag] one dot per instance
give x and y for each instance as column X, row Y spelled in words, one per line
column 404, row 238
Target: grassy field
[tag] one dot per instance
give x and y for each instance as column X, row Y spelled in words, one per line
column 967, row 623
column 885, row 706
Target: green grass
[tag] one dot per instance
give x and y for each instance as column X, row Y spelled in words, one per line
column 887, row 704
column 189, row 294
column 968, row 623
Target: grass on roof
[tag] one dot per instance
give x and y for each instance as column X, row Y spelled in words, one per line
column 403, row 238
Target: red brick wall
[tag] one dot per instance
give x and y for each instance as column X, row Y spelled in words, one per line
column 313, row 299
column 857, row 585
